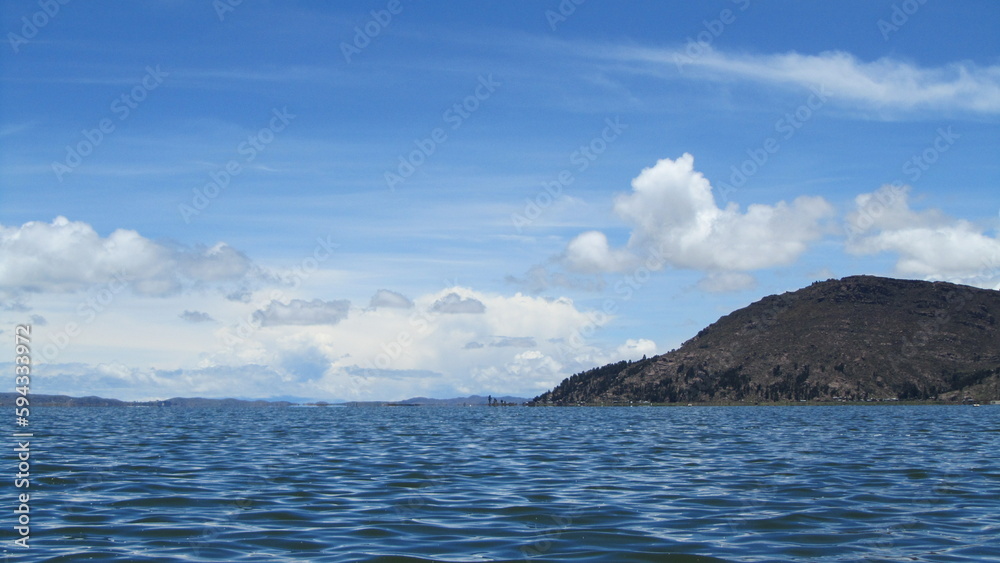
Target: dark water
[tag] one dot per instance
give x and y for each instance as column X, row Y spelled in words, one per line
column 479, row 484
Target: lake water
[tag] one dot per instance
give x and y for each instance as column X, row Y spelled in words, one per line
column 878, row 483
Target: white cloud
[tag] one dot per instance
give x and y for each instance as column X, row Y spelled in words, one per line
column 285, row 346
column 590, row 253
column 885, row 83
column 635, row 349
column 68, row 256
column 516, row 344
column 673, row 215
column 930, row 245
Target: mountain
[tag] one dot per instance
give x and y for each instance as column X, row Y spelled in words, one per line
column 858, row 338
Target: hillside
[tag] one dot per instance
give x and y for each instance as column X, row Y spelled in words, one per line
column 859, row 338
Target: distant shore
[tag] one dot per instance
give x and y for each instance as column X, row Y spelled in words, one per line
column 7, row 400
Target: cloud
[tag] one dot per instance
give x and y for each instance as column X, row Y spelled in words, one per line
column 196, row 317
column 929, row 244
column 885, row 83
column 38, row 320
column 390, row 299
column 116, row 380
column 674, row 218
column 241, row 295
column 513, row 342
column 518, row 345
column 68, row 256
column 370, row 350
column 540, row 278
column 454, row 304
column 301, row 312
column 590, row 253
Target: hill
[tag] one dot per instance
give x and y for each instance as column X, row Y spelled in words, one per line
column 858, row 338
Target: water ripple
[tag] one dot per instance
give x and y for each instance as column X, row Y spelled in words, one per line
column 514, row 484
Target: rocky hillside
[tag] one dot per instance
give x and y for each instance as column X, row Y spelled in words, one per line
column 858, row 338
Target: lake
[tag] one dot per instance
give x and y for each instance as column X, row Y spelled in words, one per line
column 837, row 483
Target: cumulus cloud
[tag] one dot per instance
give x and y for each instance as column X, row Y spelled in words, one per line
column 301, row 312
column 398, row 353
column 67, row 256
column 196, row 317
column 590, row 253
column 929, row 244
column 675, row 219
column 454, row 304
column 885, row 83
column 390, row 299
column 518, row 345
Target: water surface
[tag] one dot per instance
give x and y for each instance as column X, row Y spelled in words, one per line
column 879, row 483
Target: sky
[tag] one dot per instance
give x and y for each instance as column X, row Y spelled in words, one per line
column 389, row 199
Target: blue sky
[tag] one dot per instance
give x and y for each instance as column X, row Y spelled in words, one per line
column 393, row 199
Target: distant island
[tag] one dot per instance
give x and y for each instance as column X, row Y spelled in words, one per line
column 41, row 400
column 861, row 338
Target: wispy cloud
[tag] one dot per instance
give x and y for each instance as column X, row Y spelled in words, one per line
column 884, row 83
